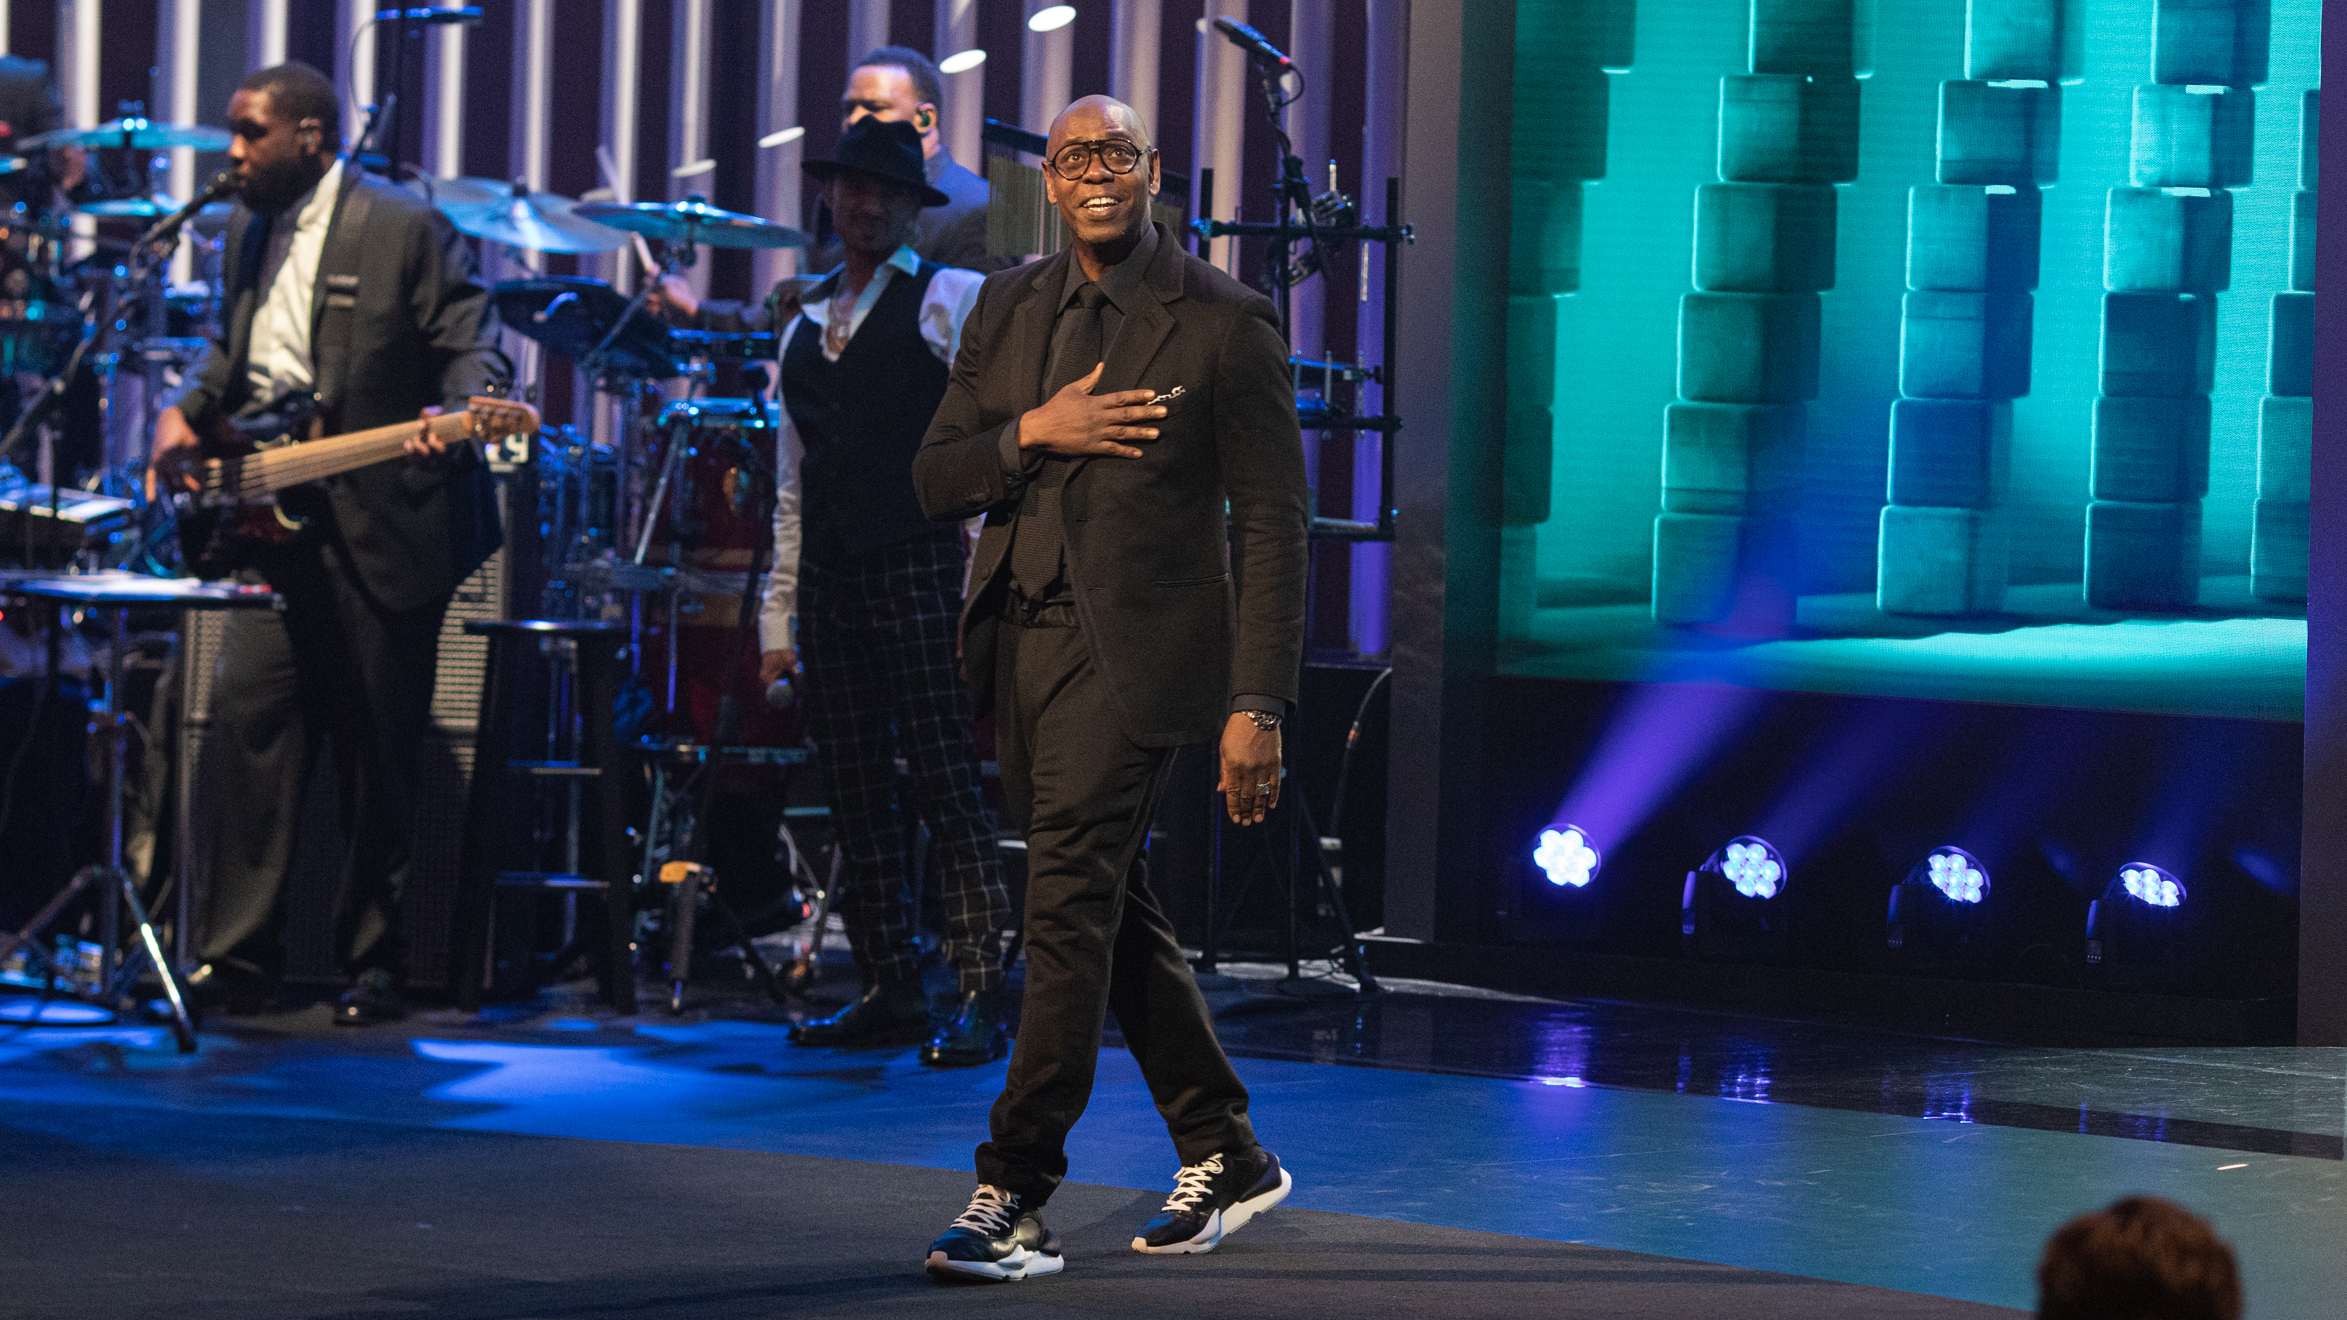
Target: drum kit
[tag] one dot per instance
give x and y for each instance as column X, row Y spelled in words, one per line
column 655, row 523
column 663, row 520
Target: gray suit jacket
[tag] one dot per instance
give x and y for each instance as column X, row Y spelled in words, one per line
column 1150, row 548
column 415, row 341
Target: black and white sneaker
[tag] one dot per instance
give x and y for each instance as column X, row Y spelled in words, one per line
column 1214, row 1199
column 996, row 1240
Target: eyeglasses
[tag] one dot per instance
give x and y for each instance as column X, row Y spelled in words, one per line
column 1074, row 160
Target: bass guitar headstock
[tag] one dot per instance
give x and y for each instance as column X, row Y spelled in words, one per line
column 494, row 418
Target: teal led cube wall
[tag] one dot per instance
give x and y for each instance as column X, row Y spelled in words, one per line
column 1941, row 560
column 2168, row 240
column 1999, row 133
column 1973, row 239
column 1731, row 458
column 1786, row 128
column 2142, row 555
column 1950, row 453
column 1764, row 237
column 2224, row 43
column 2149, row 451
column 2193, row 137
column 2022, row 40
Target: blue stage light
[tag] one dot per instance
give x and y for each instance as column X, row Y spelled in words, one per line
column 2152, row 884
column 1753, row 867
column 1957, row 874
column 1565, row 856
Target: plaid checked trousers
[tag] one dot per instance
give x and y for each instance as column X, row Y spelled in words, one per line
column 876, row 640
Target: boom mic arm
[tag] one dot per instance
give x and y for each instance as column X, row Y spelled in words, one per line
column 1252, row 42
column 168, row 227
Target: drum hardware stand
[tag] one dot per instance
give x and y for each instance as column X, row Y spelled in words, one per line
column 1283, row 841
column 111, row 883
column 800, row 975
column 691, row 871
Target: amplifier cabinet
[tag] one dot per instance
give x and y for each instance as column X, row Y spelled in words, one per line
column 430, row 900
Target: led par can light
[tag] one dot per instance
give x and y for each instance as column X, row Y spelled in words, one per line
column 2135, row 933
column 1752, row 866
column 2151, row 884
column 1566, row 857
column 1937, row 913
column 1727, row 910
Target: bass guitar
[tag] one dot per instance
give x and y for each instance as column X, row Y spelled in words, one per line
column 257, row 484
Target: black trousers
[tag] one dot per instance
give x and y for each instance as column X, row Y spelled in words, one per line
column 332, row 667
column 1097, row 941
column 876, row 638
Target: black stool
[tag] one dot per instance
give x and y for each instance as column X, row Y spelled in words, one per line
column 489, row 811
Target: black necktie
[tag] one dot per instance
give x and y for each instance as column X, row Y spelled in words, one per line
column 1039, row 545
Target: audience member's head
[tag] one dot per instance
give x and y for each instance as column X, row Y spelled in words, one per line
column 2142, row 1259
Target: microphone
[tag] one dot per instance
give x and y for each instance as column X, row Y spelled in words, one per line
column 221, row 185
column 1253, row 42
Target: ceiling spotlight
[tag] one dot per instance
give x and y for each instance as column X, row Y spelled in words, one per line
column 965, row 60
column 1051, row 19
column 1957, row 874
column 1753, row 867
column 1565, row 856
column 2152, row 884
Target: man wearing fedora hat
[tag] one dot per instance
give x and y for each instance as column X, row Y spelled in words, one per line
column 889, row 83
column 864, row 594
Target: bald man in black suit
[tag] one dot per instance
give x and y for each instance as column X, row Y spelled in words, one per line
column 1107, row 406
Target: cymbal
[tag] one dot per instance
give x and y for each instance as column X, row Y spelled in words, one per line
column 571, row 316
column 140, row 208
column 693, row 221
column 539, row 222
column 460, row 192
column 138, row 134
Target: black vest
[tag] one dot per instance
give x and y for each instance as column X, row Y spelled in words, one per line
column 860, row 419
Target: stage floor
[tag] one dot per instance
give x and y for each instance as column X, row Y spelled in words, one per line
column 2232, row 656
column 1456, row 1152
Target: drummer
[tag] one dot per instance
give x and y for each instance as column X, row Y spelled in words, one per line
column 866, row 592
column 894, row 84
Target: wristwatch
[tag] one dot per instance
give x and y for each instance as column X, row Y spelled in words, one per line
column 1264, row 719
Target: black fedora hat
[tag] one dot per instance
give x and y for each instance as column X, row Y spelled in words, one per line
column 883, row 149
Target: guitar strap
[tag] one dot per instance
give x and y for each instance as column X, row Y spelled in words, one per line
column 338, row 279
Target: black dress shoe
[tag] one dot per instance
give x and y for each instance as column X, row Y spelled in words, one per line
column 230, row 991
column 883, row 1015
column 976, row 1034
column 373, row 998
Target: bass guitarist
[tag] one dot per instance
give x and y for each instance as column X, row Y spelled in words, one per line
column 356, row 296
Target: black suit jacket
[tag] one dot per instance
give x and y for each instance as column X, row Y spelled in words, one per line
column 416, row 340
column 1149, row 550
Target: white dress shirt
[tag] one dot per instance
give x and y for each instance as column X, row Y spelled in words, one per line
column 278, row 360
column 839, row 314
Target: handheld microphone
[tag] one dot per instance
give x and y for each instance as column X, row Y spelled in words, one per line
column 1253, row 42
column 221, row 185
